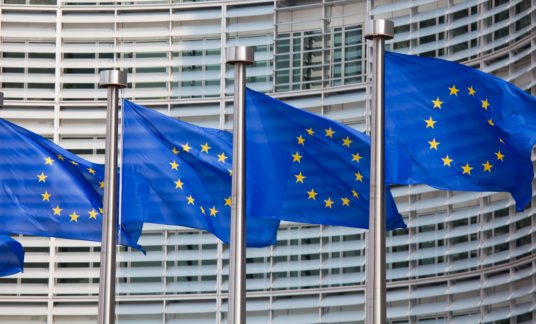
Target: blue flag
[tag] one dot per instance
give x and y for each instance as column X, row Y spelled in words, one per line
column 176, row 173
column 456, row 128
column 307, row 168
column 11, row 256
column 48, row 191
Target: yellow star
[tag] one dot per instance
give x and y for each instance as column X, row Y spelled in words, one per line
column 222, row 157
column 453, row 90
column 499, row 156
column 90, row 170
column 205, row 148
column 437, row 103
column 227, row 201
column 213, row 211
column 73, row 162
column 500, row 140
column 48, row 160
column 487, row 166
column 467, row 169
column 446, row 160
column 297, row 157
column 433, row 144
column 485, row 104
column 178, row 183
column 74, row 216
column 230, row 172
column 202, row 209
column 346, row 141
column 186, row 148
column 430, row 122
column 355, row 194
column 329, row 132
column 328, row 202
column 358, row 177
column 92, row 214
column 57, row 210
column 174, row 166
column 471, row 91
column 174, row 150
column 312, row 194
column 310, row 131
column 42, row 177
column 190, row 200
column 60, row 157
column 490, row 121
column 46, row 196
column 301, row 140
column 100, row 210
column 356, row 157
column 345, row 202
column 299, row 177
column 101, row 184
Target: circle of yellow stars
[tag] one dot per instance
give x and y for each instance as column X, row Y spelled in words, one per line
column 434, row 144
column 57, row 211
column 301, row 178
column 179, row 184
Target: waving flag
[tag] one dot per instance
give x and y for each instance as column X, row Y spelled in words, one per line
column 305, row 168
column 48, row 191
column 176, row 173
column 456, row 128
column 11, row 256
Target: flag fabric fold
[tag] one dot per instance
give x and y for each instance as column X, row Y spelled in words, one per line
column 456, row 128
column 11, row 256
column 47, row 191
column 176, row 173
column 306, row 168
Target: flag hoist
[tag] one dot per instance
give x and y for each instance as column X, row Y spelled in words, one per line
column 378, row 31
column 113, row 80
column 239, row 56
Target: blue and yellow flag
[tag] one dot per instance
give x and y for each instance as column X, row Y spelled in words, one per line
column 47, row 191
column 176, row 173
column 456, row 128
column 11, row 256
column 305, row 168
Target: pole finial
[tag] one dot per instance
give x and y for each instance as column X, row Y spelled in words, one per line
column 379, row 28
column 240, row 54
column 111, row 78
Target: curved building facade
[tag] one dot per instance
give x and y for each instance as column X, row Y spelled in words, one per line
column 466, row 257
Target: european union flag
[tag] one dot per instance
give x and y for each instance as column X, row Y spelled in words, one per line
column 48, row 191
column 11, row 256
column 316, row 170
column 456, row 128
column 176, row 173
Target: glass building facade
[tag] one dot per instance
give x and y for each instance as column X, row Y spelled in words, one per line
column 466, row 257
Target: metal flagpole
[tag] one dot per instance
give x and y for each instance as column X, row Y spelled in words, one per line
column 1, row 99
column 239, row 56
column 113, row 80
column 378, row 31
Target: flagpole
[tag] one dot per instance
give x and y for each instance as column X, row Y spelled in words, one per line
column 378, row 31
column 239, row 56
column 113, row 80
column 1, row 100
